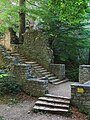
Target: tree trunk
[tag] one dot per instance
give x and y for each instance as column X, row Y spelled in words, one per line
column 89, row 58
column 21, row 21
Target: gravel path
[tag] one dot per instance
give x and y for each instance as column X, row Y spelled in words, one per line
column 23, row 110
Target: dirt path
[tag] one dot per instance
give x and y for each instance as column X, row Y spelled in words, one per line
column 21, row 112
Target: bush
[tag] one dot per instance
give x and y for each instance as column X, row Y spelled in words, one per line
column 88, row 116
column 72, row 73
column 2, row 118
column 8, row 85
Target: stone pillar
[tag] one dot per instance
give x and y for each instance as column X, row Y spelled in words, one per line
column 84, row 73
column 58, row 70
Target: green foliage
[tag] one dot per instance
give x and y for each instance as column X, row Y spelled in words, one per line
column 8, row 15
column 67, row 42
column 2, row 118
column 72, row 73
column 85, row 111
column 8, row 85
column 42, row 10
column 61, row 23
column 3, row 75
column 88, row 116
column 61, row 10
column 68, row 10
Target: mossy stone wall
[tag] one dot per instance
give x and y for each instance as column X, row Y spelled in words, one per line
column 35, row 47
column 80, row 96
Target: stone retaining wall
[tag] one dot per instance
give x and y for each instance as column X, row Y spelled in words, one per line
column 80, row 96
column 84, row 73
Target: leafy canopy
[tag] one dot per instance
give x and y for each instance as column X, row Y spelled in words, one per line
column 62, row 10
column 8, row 14
column 43, row 10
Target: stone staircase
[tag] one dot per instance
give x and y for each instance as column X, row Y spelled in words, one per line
column 53, row 104
column 46, row 74
column 42, row 73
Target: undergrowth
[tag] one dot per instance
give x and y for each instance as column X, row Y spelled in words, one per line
column 2, row 118
column 8, row 84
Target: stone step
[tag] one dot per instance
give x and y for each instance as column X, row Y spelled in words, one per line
column 54, row 96
column 41, row 71
column 21, row 55
column 49, row 75
column 15, row 54
column 30, row 62
column 60, row 82
column 49, row 109
column 37, row 67
column 23, row 59
column 42, row 78
column 55, row 80
column 45, row 73
column 10, row 52
column 55, row 100
column 51, row 78
column 45, row 103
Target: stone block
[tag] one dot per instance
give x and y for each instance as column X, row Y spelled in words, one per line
column 58, row 70
column 84, row 73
